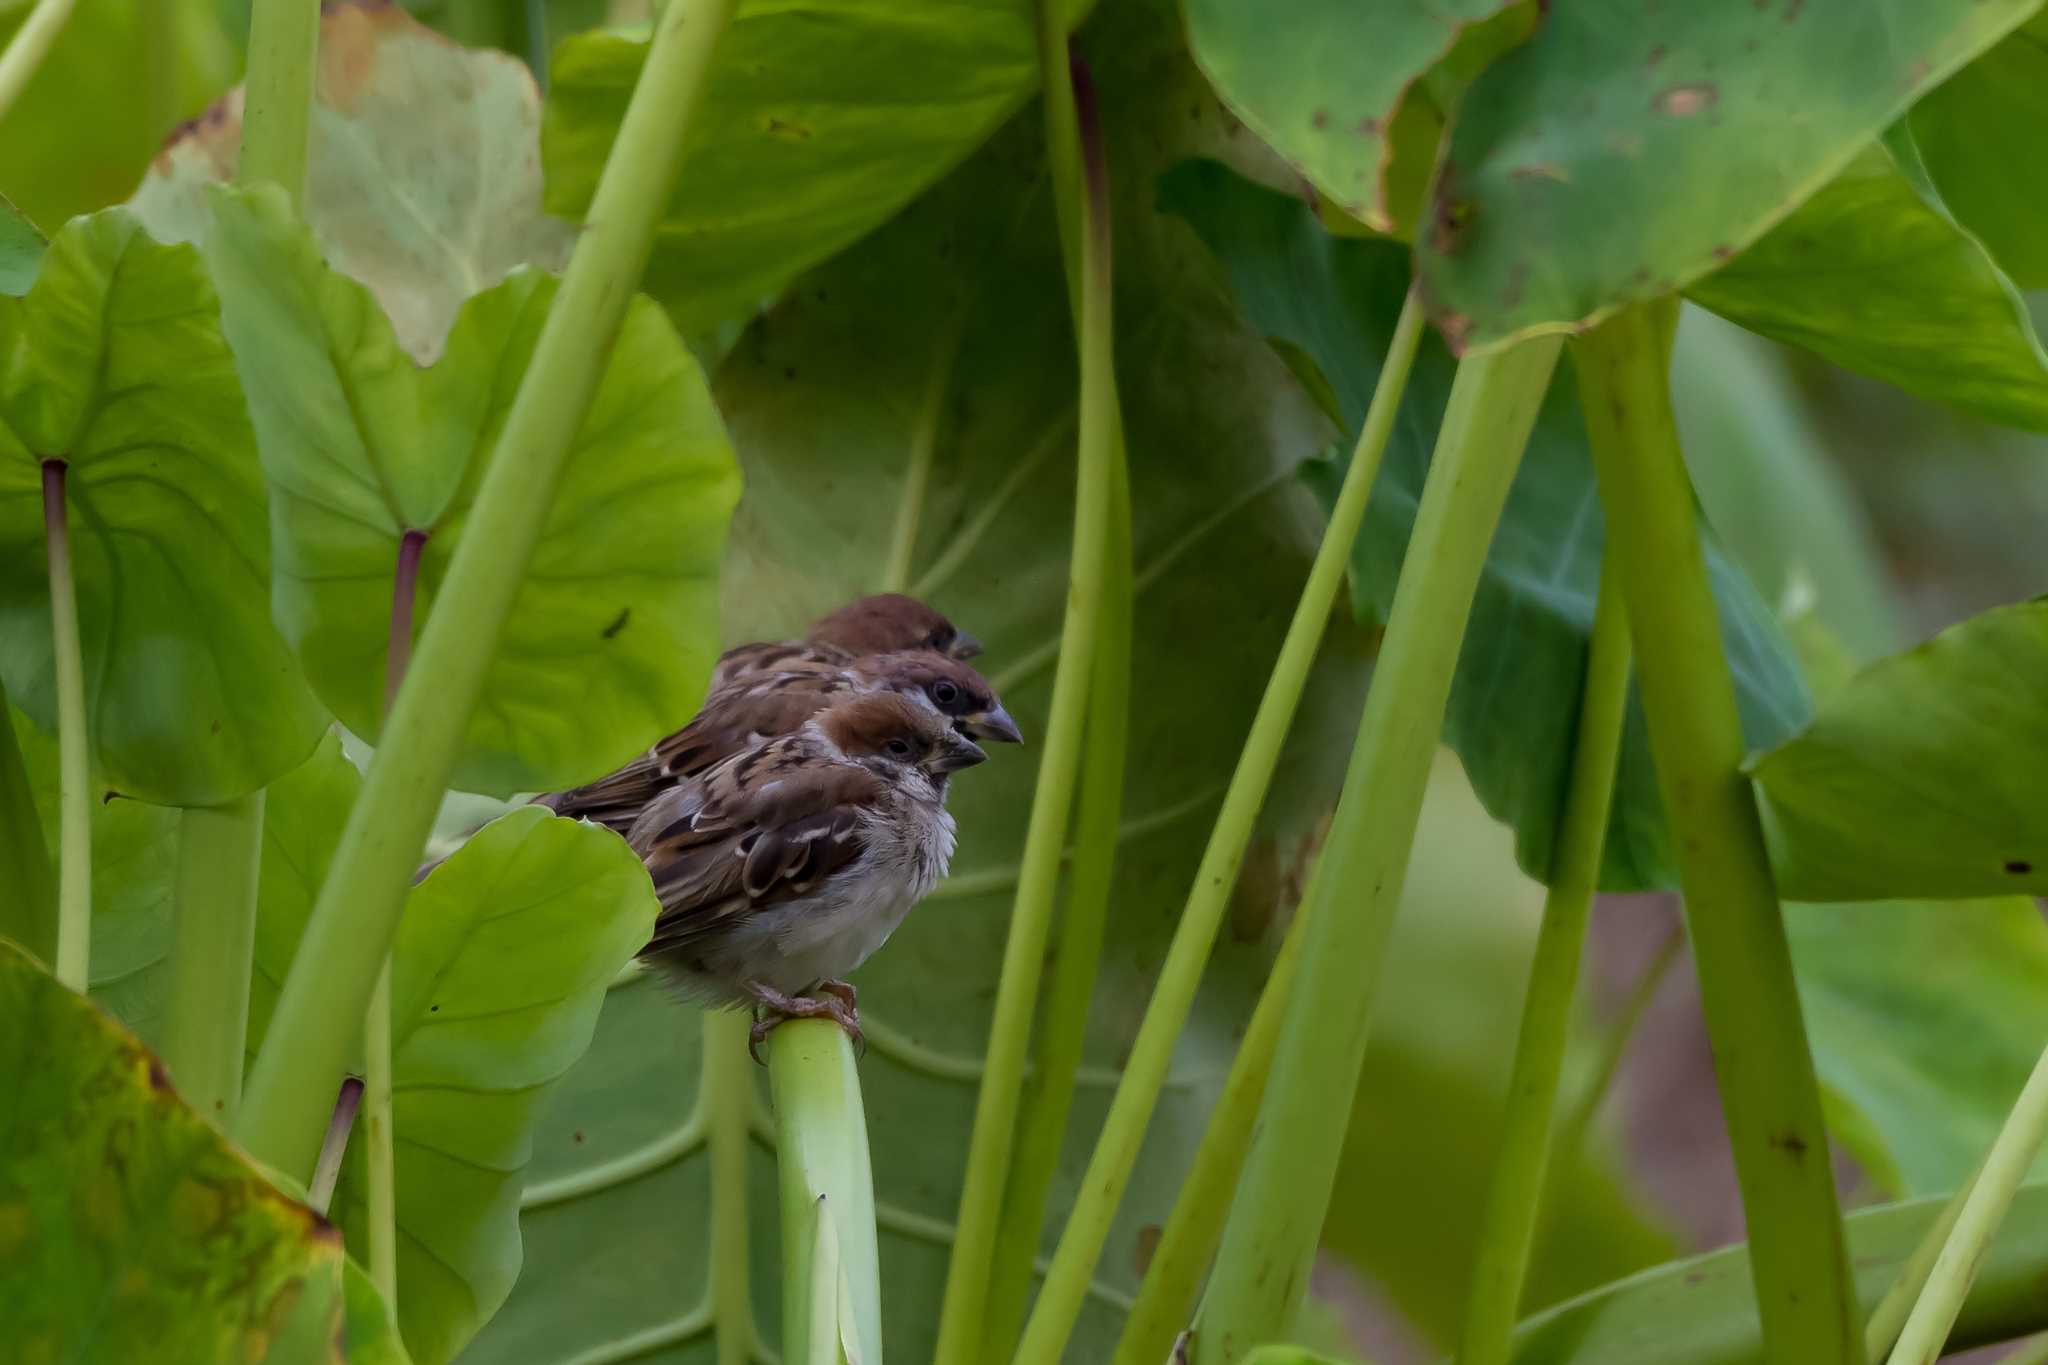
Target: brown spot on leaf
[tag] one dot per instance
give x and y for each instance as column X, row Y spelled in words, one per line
column 577, row 1137
column 785, row 128
column 618, row 623
column 1319, row 119
column 159, row 1079
column 2019, row 867
column 1790, row 1143
column 1370, row 127
column 1723, row 251
column 1656, row 55
column 1683, row 101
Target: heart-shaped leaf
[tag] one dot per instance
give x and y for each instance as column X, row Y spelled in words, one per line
column 1340, row 91
column 613, row 634
column 1623, row 153
column 1979, row 131
column 816, row 125
column 423, row 169
column 1921, row 777
column 114, row 367
column 129, row 1228
column 1329, row 303
column 1873, row 273
column 921, row 387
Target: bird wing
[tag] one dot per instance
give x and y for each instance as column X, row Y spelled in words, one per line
column 735, row 718
column 775, row 656
column 762, row 828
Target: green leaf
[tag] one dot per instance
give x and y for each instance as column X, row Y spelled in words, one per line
column 1873, row 273
column 1623, row 153
column 1702, row 1310
column 1331, row 303
column 1980, row 132
column 1922, row 777
column 817, row 125
column 1289, row 1355
column 21, row 250
column 1925, row 1018
column 423, row 176
column 1338, row 90
column 114, row 364
column 945, row 338
column 129, row 1228
column 370, row 1331
column 613, row 634
column 1425, row 1128
column 501, row 964
column 113, row 86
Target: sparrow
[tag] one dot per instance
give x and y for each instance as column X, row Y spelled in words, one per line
column 883, row 624
column 762, row 705
column 781, row 868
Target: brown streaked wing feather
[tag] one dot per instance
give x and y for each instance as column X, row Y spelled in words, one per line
column 722, row 845
column 774, row 656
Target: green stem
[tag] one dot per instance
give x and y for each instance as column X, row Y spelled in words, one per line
column 353, row 921
column 1571, row 1134
column 1889, row 1317
column 284, row 48
column 1769, row 1095
column 1983, row 1209
column 1508, row 1228
column 1269, row 1240
column 1180, row 975
column 30, row 44
column 1062, row 1036
column 1173, row 1282
column 206, row 1020
column 379, row 1139
column 74, row 777
column 29, row 916
column 728, row 1100
column 961, row 1325
column 828, row 1191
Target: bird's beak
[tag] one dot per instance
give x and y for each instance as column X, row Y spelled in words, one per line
column 965, row 646
column 960, row 752
column 994, row 723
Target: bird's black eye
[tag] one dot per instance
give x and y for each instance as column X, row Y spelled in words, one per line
column 897, row 748
column 945, row 693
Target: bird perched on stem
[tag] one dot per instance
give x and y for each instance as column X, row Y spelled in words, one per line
column 784, row 866
column 886, row 623
column 762, row 705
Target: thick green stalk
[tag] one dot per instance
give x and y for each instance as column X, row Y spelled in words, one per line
column 1063, row 1031
column 1180, row 975
column 291, row 1091
column 821, row 1143
column 1508, row 1229
column 2034, row 1352
column 1270, row 1238
column 1983, row 1209
column 1173, row 1282
column 206, row 1020
column 728, row 1100
column 30, row 44
column 284, row 46
column 1889, row 1317
column 961, row 1323
column 74, row 777
column 29, row 915
column 1769, row 1095
column 380, row 1152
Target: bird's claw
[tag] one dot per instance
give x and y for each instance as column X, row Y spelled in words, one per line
column 774, row 1008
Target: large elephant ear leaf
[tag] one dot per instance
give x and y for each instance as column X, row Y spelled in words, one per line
column 817, row 124
column 371, row 458
column 129, row 1228
column 423, row 169
column 1624, row 152
column 116, row 374
column 1519, row 675
column 1922, row 776
column 1980, row 132
column 21, row 250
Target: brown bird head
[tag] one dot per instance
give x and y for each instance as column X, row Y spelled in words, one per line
column 888, row 622
column 954, row 689
column 888, row 733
